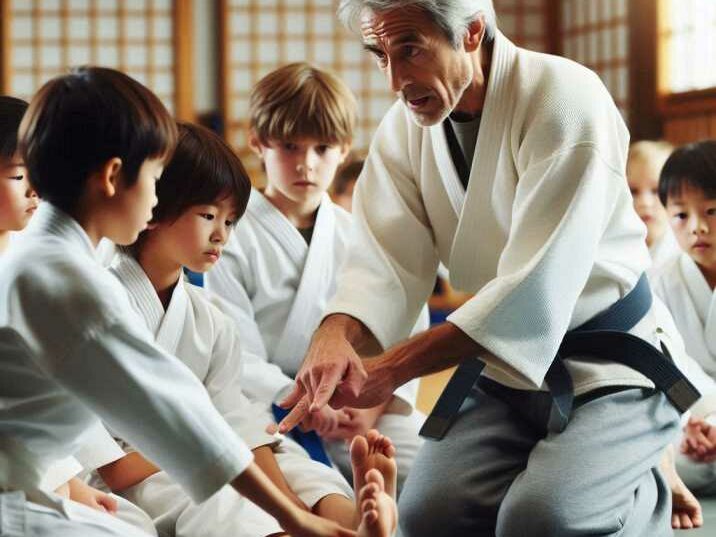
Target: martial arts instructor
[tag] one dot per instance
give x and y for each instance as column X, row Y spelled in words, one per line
column 508, row 166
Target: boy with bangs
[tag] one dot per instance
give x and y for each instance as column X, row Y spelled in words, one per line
column 203, row 192
column 687, row 188
column 279, row 269
column 94, row 143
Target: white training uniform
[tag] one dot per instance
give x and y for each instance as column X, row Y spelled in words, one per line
column 692, row 303
column 72, row 352
column 663, row 251
column 544, row 237
column 207, row 341
column 276, row 287
column 99, row 449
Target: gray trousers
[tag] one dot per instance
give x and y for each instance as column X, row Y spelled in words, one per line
column 500, row 472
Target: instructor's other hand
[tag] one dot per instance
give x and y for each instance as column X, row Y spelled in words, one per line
column 330, row 361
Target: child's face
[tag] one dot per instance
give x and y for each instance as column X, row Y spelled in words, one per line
column 17, row 198
column 692, row 216
column 301, row 170
column 196, row 239
column 643, row 177
column 131, row 209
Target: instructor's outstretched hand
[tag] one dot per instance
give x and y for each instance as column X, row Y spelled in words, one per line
column 332, row 372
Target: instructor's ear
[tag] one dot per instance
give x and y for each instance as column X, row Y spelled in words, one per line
column 474, row 35
column 255, row 144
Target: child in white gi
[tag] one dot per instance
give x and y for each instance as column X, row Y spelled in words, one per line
column 644, row 163
column 279, row 269
column 94, row 143
column 203, row 192
column 18, row 202
column 687, row 188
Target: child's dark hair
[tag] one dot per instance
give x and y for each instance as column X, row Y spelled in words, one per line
column 11, row 112
column 346, row 175
column 693, row 165
column 202, row 170
column 79, row 121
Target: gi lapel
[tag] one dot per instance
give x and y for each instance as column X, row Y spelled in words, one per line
column 141, row 292
column 316, row 285
column 172, row 324
column 482, row 231
column 276, row 224
column 703, row 298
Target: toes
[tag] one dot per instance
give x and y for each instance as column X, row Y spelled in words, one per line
column 374, row 477
column 359, row 450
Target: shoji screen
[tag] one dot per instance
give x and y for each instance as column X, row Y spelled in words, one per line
column 148, row 39
column 596, row 33
column 524, row 22
column 687, row 89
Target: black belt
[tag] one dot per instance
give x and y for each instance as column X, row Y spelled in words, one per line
column 604, row 336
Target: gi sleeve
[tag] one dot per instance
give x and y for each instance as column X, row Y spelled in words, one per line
column 81, row 332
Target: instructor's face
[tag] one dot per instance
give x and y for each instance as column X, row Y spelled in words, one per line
column 421, row 64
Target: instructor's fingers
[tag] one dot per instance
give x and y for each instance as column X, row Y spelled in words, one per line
column 354, row 379
column 324, row 387
column 294, row 417
column 294, row 397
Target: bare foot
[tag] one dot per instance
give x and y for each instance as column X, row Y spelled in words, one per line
column 374, row 451
column 379, row 513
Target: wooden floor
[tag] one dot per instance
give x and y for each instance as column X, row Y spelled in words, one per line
column 431, row 387
column 709, row 527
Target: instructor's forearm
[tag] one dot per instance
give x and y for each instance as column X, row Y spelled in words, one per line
column 353, row 331
column 436, row 349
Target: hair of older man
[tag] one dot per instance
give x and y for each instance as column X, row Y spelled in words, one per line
column 453, row 17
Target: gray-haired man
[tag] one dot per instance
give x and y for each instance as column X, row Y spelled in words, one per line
column 507, row 166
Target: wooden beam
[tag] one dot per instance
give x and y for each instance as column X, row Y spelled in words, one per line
column 184, row 60
column 645, row 122
column 553, row 22
column 225, row 105
column 5, row 44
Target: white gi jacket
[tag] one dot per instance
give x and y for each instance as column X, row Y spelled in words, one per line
column 72, row 351
column 692, row 303
column 663, row 252
column 545, row 235
column 201, row 336
column 277, row 287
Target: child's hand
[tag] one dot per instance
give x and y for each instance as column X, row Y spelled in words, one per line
column 699, row 443
column 82, row 493
column 355, row 422
column 324, row 421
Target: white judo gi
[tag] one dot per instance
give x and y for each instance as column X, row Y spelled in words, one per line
column 72, row 351
column 692, row 303
column 662, row 252
column 546, row 237
column 206, row 340
column 277, row 287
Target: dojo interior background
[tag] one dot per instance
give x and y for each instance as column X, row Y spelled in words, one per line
column 657, row 57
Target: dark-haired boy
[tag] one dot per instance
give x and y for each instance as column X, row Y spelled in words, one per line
column 95, row 143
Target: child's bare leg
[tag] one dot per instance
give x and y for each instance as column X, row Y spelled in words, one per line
column 374, row 451
column 379, row 513
column 338, row 508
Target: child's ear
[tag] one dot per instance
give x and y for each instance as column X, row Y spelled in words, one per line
column 345, row 150
column 108, row 176
column 255, row 144
column 474, row 35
